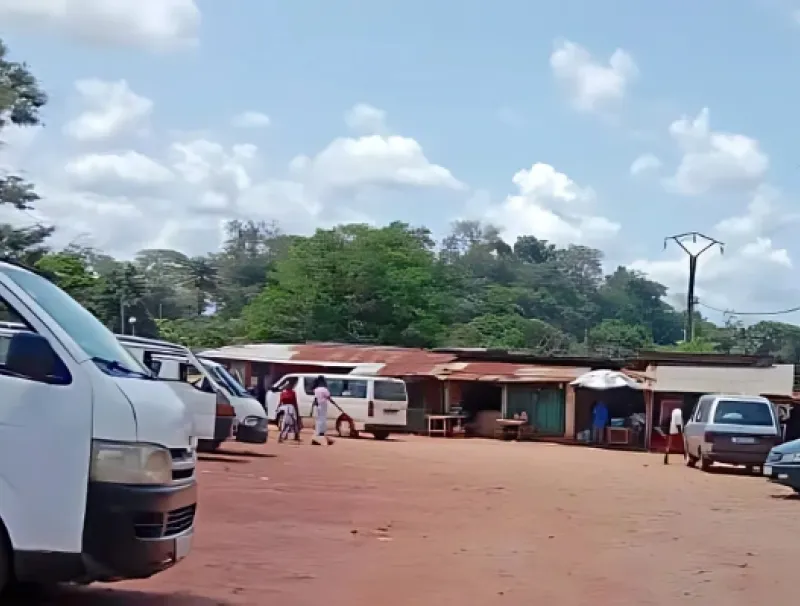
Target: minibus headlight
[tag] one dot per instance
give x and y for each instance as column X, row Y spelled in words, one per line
column 126, row 463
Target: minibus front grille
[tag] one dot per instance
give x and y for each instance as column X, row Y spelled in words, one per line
column 150, row 525
column 180, row 454
column 182, row 474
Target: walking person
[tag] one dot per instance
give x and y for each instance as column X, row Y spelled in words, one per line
column 289, row 412
column 322, row 397
column 599, row 422
column 675, row 431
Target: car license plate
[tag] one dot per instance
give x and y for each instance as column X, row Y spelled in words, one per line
column 744, row 440
column 183, row 545
column 767, row 470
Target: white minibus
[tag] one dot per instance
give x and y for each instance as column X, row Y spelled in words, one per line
column 253, row 424
column 376, row 405
column 107, row 490
column 215, row 412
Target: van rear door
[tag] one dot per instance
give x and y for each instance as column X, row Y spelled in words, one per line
column 389, row 403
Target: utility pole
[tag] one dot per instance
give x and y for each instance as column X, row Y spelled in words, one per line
column 679, row 239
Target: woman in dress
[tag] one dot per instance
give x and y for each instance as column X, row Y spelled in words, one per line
column 289, row 413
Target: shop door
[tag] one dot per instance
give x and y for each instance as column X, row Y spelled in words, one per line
column 550, row 406
column 544, row 407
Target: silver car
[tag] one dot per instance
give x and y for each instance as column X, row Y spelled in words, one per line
column 732, row 429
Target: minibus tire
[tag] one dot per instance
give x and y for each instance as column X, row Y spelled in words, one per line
column 206, row 446
column 6, row 561
column 380, row 434
column 346, row 422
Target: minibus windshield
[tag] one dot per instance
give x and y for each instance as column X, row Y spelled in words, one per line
column 224, row 377
column 88, row 332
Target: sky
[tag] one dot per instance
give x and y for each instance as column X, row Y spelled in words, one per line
column 607, row 123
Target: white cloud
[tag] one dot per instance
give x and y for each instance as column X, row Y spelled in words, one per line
column 127, row 168
column 251, row 119
column 146, row 24
column 645, row 163
column 591, row 84
column 123, row 200
column 551, row 206
column 714, row 160
column 112, row 109
column 374, row 160
column 366, row 119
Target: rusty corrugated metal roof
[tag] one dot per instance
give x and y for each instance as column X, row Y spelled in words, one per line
column 397, row 361
column 507, row 372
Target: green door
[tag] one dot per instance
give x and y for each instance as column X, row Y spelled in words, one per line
column 544, row 407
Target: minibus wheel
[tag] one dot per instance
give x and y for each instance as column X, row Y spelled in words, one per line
column 380, row 434
column 345, row 427
column 5, row 560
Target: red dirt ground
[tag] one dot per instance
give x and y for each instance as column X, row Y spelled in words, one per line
column 440, row 522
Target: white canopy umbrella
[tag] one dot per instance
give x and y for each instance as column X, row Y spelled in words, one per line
column 602, row 380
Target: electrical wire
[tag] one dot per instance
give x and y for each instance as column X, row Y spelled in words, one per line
column 732, row 312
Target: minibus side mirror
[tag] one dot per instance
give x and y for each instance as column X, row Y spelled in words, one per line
column 30, row 355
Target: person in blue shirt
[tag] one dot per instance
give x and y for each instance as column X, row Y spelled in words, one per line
column 599, row 422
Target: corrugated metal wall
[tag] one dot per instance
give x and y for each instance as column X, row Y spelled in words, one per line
column 545, row 407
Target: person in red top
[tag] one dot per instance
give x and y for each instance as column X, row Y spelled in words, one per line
column 288, row 412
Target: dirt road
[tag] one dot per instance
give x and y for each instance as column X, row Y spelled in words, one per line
column 440, row 522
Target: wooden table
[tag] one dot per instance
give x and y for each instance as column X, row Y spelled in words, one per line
column 511, row 426
column 444, row 424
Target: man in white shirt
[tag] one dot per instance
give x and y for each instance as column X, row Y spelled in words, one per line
column 675, row 431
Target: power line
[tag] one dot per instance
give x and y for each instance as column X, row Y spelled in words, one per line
column 679, row 239
column 732, row 312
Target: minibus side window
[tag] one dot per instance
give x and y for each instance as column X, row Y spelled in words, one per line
column 391, row 391
column 61, row 374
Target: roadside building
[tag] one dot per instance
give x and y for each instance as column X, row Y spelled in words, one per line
column 677, row 380
column 479, row 384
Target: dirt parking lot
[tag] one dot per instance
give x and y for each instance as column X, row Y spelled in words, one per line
column 433, row 521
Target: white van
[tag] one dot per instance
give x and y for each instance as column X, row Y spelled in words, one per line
column 107, row 490
column 216, row 412
column 253, row 424
column 376, row 405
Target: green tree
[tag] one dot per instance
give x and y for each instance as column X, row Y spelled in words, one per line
column 24, row 245
column 71, row 273
column 355, row 283
column 249, row 253
column 21, row 99
column 617, row 338
column 118, row 296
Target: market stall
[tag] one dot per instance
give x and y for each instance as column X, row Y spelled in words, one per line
column 611, row 409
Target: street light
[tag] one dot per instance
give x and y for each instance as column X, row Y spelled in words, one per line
column 132, row 322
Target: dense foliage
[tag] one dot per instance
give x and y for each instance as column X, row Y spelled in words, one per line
column 361, row 284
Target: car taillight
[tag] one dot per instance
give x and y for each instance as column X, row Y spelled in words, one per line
column 224, row 408
column 709, row 437
column 371, row 409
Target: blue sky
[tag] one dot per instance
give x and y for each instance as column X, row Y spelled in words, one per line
column 465, row 99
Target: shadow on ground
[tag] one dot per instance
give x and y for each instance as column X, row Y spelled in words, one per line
column 245, row 453
column 91, row 596
column 216, row 459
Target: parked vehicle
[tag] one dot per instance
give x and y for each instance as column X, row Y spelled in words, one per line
column 376, row 405
column 253, row 424
column 732, row 429
column 97, row 460
column 783, row 465
column 214, row 415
